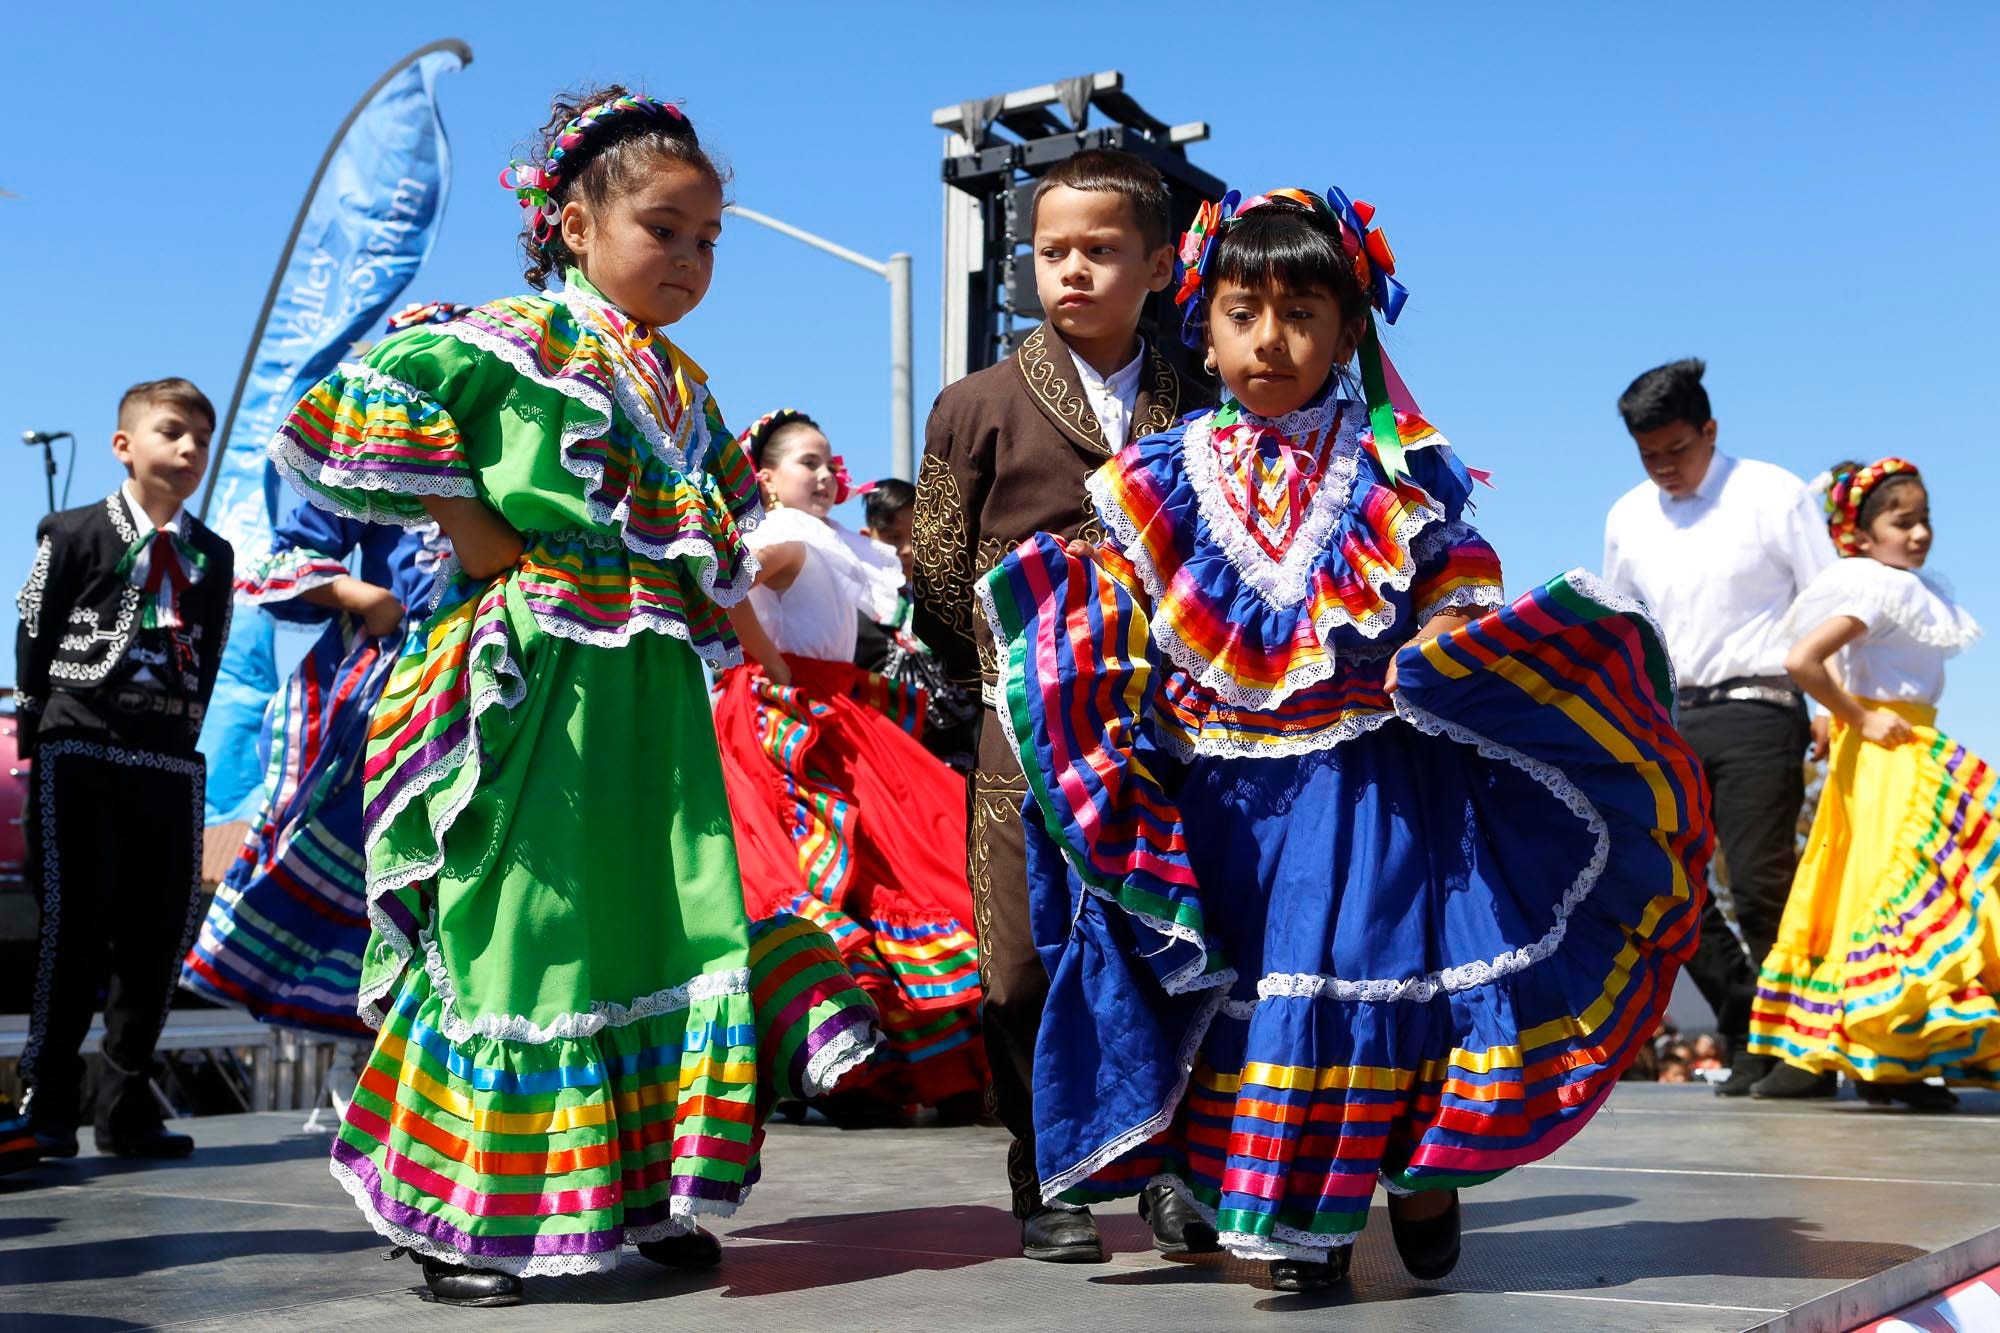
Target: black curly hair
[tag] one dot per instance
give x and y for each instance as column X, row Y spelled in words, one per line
column 605, row 164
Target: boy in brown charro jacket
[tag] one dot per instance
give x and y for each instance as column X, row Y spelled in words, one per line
column 1006, row 455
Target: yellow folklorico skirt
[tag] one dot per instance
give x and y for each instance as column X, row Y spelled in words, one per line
column 1888, row 958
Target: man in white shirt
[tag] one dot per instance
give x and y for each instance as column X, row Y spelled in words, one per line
column 1717, row 548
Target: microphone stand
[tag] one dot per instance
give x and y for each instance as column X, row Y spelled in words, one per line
column 49, row 469
column 47, row 439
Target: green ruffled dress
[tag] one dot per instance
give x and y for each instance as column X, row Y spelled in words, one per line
column 577, row 1031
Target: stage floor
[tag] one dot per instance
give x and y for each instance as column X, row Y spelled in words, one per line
column 1673, row 1210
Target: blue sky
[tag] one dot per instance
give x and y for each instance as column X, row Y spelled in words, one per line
column 1802, row 194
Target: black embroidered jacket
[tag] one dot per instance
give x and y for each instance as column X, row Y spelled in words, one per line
column 81, row 642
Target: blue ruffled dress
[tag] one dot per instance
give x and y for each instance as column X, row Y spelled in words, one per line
column 1303, row 933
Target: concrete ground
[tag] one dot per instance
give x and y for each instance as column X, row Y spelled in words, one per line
column 1673, row 1210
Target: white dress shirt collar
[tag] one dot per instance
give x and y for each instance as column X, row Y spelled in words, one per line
column 1720, row 465
column 1113, row 397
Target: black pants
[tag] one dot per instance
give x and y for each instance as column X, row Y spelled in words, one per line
column 114, row 853
column 1753, row 755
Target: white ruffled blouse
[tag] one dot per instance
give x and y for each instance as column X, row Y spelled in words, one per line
column 1913, row 626
column 845, row 576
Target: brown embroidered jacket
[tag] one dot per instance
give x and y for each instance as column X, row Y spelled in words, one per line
column 1006, row 455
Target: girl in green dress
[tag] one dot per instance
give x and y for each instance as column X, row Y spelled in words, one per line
column 577, row 1031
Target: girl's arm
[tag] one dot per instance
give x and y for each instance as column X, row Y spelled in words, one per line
column 485, row 543
column 1808, row 663
column 779, row 564
column 757, row 645
column 1441, row 622
column 375, row 605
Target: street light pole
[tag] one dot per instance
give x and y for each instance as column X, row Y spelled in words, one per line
column 902, row 433
column 902, row 429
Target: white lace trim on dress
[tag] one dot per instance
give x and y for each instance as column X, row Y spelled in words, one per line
column 1916, row 601
column 1282, row 586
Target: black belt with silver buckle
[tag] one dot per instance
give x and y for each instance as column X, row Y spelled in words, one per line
column 133, row 699
column 1779, row 690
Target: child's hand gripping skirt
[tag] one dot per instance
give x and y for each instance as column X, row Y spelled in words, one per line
column 1425, row 952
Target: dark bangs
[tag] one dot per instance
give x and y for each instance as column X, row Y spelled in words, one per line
column 1292, row 248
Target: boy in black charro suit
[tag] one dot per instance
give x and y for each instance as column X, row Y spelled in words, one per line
column 123, row 619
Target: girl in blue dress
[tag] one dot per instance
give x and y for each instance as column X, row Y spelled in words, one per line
column 286, row 930
column 1345, row 870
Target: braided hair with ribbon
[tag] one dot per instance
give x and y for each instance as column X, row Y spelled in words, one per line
column 593, row 146
column 757, row 439
column 1204, row 258
column 1852, row 496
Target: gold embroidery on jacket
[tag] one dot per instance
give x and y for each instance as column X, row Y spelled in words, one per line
column 1163, row 404
column 944, row 572
column 1050, row 381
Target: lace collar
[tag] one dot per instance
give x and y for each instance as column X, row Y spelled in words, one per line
column 1916, row 601
column 1314, row 417
column 1218, row 456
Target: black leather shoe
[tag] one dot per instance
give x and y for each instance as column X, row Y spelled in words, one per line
column 1916, row 1096
column 1925, row 1097
column 1061, row 1236
column 1177, row 1227
column 1305, row 1275
column 1429, row 1248
column 455, row 1284
column 1791, row 1082
column 1744, row 1070
column 696, row 1249
column 157, row 1143
column 56, row 1142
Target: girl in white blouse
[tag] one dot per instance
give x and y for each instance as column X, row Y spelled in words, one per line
column 841, row 815
column 1888, row 958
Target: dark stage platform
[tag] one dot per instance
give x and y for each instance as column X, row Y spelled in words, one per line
column 1673, row 1210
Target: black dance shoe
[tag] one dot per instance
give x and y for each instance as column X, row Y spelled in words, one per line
column 696, row 1249
column 1305, row 1275
column 156, row 1143
column 1744, row 1070
column 859, row 1110
column 55, row 1132
column 1926, row 1097
column 54, row 1140
column 455, row 1284
column 1790, row 1083
column 1177, row 1227
column 1061, row 1236
column 1429, row 1247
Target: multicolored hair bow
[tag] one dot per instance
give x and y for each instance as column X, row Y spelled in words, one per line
column 753, row 440
column 425, row 312
column 1845, row 489
column 1374, row 268
column 534, row 185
